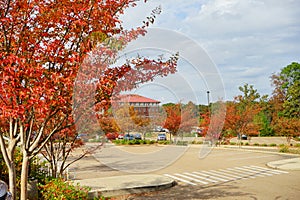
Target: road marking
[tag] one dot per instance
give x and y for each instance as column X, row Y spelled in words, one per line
column 255, row 171
column 224, row 175
column 197, row 176
column 273, row 170
column 180, row 179
column 219, row 177
column 241, row 176
column 191, row 178
column 231, row 176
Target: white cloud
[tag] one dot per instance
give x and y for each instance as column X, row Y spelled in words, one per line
column 248, row 40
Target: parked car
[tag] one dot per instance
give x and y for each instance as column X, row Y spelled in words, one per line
column 111, row 136
column 128, row 137
column 161, row 136
column 138, row 136
column 121, row 137
column 242, row 137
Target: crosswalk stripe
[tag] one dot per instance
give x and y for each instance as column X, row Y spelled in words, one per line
column 274, row 170
column 191, row 178
column 241, row 176
column 268, row 171
column 232, row 177
column 254, row 173
column 246, row 173
column 180, row 179
column 209, row 176
column 257, row 171
column 224, row 175
column 207, row 179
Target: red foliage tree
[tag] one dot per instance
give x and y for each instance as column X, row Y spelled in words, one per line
column 42, row 45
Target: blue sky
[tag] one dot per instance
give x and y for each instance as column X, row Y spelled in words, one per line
column 245, row 40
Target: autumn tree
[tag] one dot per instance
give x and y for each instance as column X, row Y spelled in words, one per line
column 180, row 118
column 212, row 122
column 241, row 112
column 285, row 101
column 173, row 119
column 42, row 46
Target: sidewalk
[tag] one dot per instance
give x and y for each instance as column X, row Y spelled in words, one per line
column 127, row 184
column 287, row 164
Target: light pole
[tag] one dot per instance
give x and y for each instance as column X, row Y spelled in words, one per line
column 207, row 98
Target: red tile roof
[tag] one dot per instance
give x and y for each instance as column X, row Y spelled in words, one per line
column 134, row 98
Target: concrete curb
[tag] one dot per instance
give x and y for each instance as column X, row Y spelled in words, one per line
column 287, row 164
column 127, row 184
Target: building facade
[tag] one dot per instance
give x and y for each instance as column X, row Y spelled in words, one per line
column 144, row 106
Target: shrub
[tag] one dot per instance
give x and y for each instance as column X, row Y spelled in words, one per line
column 273, row 145
column 136, row 141
column 297, row 145
column 281, row 145
column 183, row 143
column 232, row 143
column 247, row 143
column 284, row 149
column 152, row 141
column 59, row 189
column 264, row 145
column 256, row 144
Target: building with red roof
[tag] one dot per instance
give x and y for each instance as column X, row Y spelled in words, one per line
column 143, row 105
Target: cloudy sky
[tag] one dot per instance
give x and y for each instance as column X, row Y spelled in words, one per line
column 242, row 41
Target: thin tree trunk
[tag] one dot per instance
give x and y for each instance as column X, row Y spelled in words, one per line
column 12, row 179
column 24, row 176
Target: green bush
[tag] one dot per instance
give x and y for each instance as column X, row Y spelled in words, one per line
column 273, row 145
column 232, row 143
column 256, row 144
column 297, row 145
column 281, row 145
column 247, row 143
column 136, row 141
column 183, row 143
column 284, row 149
column 264, row 145
column 60, row 190
column 152, row 141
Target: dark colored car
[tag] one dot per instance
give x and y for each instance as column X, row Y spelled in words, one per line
column 242, row 137
column 137, row 136
column 128, row 137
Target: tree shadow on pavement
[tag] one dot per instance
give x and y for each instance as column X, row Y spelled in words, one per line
column 195, row 192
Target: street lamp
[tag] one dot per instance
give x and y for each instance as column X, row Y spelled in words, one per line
column 208, row 98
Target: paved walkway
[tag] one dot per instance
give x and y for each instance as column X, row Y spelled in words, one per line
column 127, row 184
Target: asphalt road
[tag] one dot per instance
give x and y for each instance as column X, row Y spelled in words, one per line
column 221, row 174
column 230, row 174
